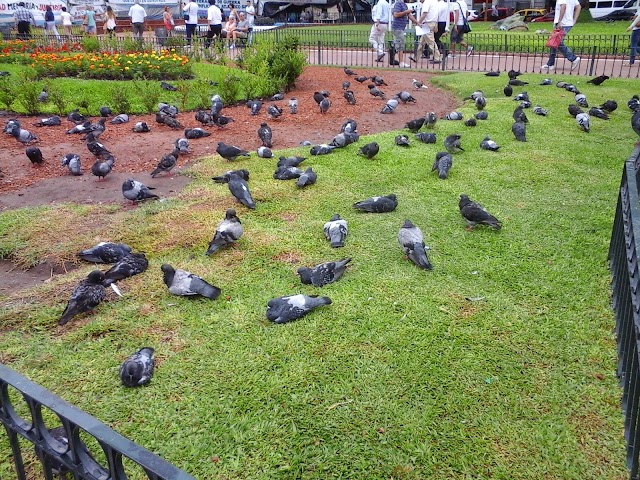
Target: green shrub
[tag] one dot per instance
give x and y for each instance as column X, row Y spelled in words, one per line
column 230, row 89
column 121, row 96
column 90, row 44
column 28, row 97
column 281, row 61
column 57, row 97
column 148, row 92
column 184, row 90
column 202, row 93
column 8, row 92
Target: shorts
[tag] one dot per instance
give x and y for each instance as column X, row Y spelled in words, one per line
column 90, row 29
column 398, row 40
column 456, row 36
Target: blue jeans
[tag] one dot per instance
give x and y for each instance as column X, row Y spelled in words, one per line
column 635, row 45
column 564, row 50
column 191, row 29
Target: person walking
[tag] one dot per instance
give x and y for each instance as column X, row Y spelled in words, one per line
column 190, row 10
column 214, row 17
column 635, row 40
column 566, row 16
column 137, row 14
column 428, row 21
column 109, row 25
column 24, row 19
column 400, row 17
column 380, row 16
column 443, row 16
column 66, row 19
column 167, row 19
column 89, row 21
column 250, row 10
column 459, row 16
column 50, row 22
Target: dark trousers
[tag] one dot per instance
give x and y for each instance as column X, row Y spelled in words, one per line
column 138, row 29
column 438, row 34
column 24, row 29
column 215, row 31
column 191, row 28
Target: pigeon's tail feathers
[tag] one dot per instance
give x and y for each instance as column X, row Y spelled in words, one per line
column 207, row 290
column 321, row 300
column 155, row 172
column 418, row 255
column 69, row 312
column 342, row 263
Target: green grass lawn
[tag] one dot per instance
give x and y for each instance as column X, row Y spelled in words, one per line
column 402, row 376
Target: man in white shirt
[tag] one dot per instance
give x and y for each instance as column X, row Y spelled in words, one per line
column 214, row 17
column 190, row 10
column 250, row 10
column 65, row 17
column 137, row 15
column 428, row 21
column 567, row 12
column 380, row 15
column 459, row 10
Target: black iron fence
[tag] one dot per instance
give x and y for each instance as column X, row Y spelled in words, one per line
column 625, row 286
column 62, row 437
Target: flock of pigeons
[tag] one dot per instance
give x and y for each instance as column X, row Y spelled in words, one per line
column 138, row 368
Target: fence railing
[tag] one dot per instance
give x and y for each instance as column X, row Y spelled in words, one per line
column 60, row 432
column 625, row 286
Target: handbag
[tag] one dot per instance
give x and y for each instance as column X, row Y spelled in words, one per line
column 555, row 39
column 185, row 17
column 465, row 27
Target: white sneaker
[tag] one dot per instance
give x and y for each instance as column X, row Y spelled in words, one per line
column 575, row 63
column 627, row 63
column 469, row 50
column 549, row 68
column 405, row 65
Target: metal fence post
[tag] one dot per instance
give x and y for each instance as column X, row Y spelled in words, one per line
column 592, row 62
column 319, row 52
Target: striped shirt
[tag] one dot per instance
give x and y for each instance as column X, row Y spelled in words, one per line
column 21, row 14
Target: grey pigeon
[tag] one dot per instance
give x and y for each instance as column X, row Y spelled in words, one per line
column 402, row 140
column 186, row 284
column 264, row 152
column 168, row 87
column 405, row 97
column 203, row 117
column 105, row 252
column 387, row 203
column 430, row 120
column 288, row 308
column 265, row 134
column 609, row 106
column 128, row 266
column 222, row 121
column 470, row 122
column 322, row 149
column 308, row 177
column 216, row 105
column 277, row 97
column 349, row 97
column 349, row 126
column 538, row 110
column 492, row 73
column 525, row 104
column 348, row 71
column 635, row 122
column 85, row 296
column 292, row 161
column 97, row 129
column 513, row 74
column 583, row 121
column 517, row 83
column 519, row 130
column 488, row 144
column 378, row 80
column 255, row 106
column 475, row 214
column 138, row 368
column 274, row 111
column 172, row 122
column 442, row 163
column 386, row 109
column 166, row 163
column 240, row 190
column 34, row 154
column 43, row 96
column 519, row 115
column 452, row 143
column 411, row 241
column 120, row 119
column 574, row 110
column 571, row 88
column 102, row 167
column 335, row 230
column 230, row 152
column 361, row 78
column 22, row 135
column 483, row 115
column 105, row 111
column 343, row 139
column 141, row 127
column 598, row 113
column 323, row 273
column 182, row 144
column 454, row 116
column 72, row 162
column 417, row 84
column 228, row 232
column 346, row 84
column 507, row 90
column 546, row 81
column 192, row 133
column 581, row 99
column 96, row 148
column 480, row 102
column 167, row 109
column 415, row 124
column 136, row 191
column 287, row 173
column 293, row 105
column 425, row 137
column 324, row 105
column 476, row 94
column 53, row 121
column 76, row 117
column 522, row 96
column 369, row 150
column 226, row 176
column 376, row 92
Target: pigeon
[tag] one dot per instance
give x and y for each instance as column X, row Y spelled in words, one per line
column 349, row 97
column 378, row 80
column 609, row 106
column 335, row 230
column 138, row 368
column 228, row 231
column 475, row 214
column 361, row 79
column 581, row 99
column 137, row 191
column 274, row 111
column 96, row 148
column 376, row 92
column 598, row 113
column 172, row 122
column 452, row 143
column 230, row 152
column 425, row 137
column 318, row 97
column 119, row 119
column 287, row 173
column 538, row 110
column 34, row 154
column 292, row 307
column 480, row 102
column 128, row 266
column 204, row 117
column 411, row 241
column 635, row 122
column 167, row 109
column 105, row 252
column 546, row 81
column 22, row 135
column 430, row 120
column 348, row 71
column 323, row 273
column 322, row 149
column 574, row 110
column 105, row 111
column 221, row 121
column 517, row 83
column 492, row 73
column 186, row 284
column 417, row 84
column 598, row 80
column 168, row 87
column 80, row 128
column 324, row 105
column 405, row 97
column 470, row 122
column 482, row 115
column 513, row 74
column 193, row 133
column 85, row 296
column 519, row 130
column 293, row 105
column 442, row 163
column 369, row 150
column 43, row 96
column 182, row 144
column 343, row 139
column 166, row 163
column 402, row 140
column 141, row 127
column 255, row 106
column 383, row 204
column 10, row 125
column 349, row 126
column 101, row 168
column 525, row 104
column 225, row 177
column 240, row 190
column 264, row 152
column 292, row 161
column 76, row 117
column 386, row 109
column 453, row 116
column 415, row 124
column 97, row 129
column 53, row 121
column 507, row 90
column 265, row 135
column 72, row 162
column 582, row 120
column 488, row 144
column 277, row 97
column 522, row 96
column 216, row 105
column 571, row 88
column 633, row 103
column 346, row 84
column 308, row 177
column 476, row 94
column 519, row 115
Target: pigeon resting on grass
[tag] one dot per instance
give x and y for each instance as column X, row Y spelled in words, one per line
column 229, row 231
column 226, row 176
column 426, row 137
column 287, row 173
column 402, row 140
column 186, row 284
column 286, row 309
column 308, row 177
column 452, row 143
column 411, row 240
column 168, row 87
column 507, row 90
column 538, row 110
column 324, row 273
column 475, row 214
column 292, row 161
column 335, row 230
column 482, row 115
column 138, row 368
column 488, row 144
column 369, row 150
column 137, row 191
column 383, row 204
column 128, row 266
column 105, row 252
column 519, row 130
column 264, row 152
column 323, row 149
column 415, row 124
column 442, row 163
column 85, row 296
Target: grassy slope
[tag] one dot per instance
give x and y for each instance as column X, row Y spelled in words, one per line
column 401, row 377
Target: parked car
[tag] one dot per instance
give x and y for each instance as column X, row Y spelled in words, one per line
column 503, row 12
column 530, row 14
column 623, row 14
column 547, row 17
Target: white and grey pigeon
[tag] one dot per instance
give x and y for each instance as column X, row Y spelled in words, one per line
column 287, row 173
column 382, row 204
column 22, row 135
column 264, row 152
column 228, row 232
column 182, row 144
column 402, row 140
column 72, row 162
column 120, row 119
column 137, row 191
column 141, row 127
column 216, row 105
column 137, row 369
column 308, row 177
column 105, row 252
column 430, row 120
column 53, row 121
column 453, row 116
column 335, row 230
column 488, row 144
column 411, row 240
column 583, row 121
column 538, row 110
column 322, row 149
column 292, row 307
column 186, row 284
column 349, row 126
column 293, row 105
column 323, row 273
column 417, row 84
column 581, row 99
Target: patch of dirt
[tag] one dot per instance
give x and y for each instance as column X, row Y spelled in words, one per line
column 14, row 279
